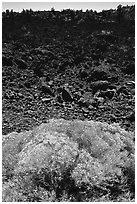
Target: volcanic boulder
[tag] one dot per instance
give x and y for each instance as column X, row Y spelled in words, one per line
column 21, row 63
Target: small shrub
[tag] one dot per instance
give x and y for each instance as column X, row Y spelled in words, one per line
column 69, row 161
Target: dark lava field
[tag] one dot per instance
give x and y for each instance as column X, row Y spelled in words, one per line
column 68, row 64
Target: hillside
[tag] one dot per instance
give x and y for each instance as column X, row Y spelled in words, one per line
column 68, row 64
column 68, row 105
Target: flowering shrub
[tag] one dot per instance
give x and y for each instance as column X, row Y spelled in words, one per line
column 69, row 161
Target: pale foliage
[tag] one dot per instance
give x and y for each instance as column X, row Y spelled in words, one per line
column 50, row 160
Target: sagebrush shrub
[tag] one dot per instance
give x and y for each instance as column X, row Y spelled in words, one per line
column 69, row 161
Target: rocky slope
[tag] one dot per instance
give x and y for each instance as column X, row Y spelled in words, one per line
column 78, row 66
column 69, row 64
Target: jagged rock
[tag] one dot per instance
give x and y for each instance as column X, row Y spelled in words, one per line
column 130, row 117
column 87, row 96
column 20, row 95
column 90, row 107
column 66, row 94
column 38, row 69
column 44, row 51
column 109, row 93
column 83, row 73
column 87, row 100
column 46, row 100
column 21, row 63
column 129, row 69
column 59, row 99
column 131, row 83
column 97, row 75
column 100, row 99
column 7, row 61
column 46, row 89
column 85, row 110
column 94, row 102
column 96, row 56
column 83, row 103
column 27, row 84
column 122, row 89
column 99, row 85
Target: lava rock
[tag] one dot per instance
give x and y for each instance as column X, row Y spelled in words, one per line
column 130, row 117
column 129, row 69
column 99, row 85
column 85, row 110
column 66, row 95
column 96, row 75
column 7, row 61
column 108, row 93
column 43, row 51
column 83, row 73
column 59, row 99
column 83, row 103
column 46, row 89
column 21, row 63
column 100, row 100
column 94, row 102
column 27, row 84
column 38, row 71
column 46, row 100
column 122, row 89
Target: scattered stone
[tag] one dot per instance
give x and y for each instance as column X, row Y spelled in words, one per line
column 83, row 103
column 38, row 70
column 46, row 100
column 27, row 84
column 43, row 51
column 85, row 110
column 77, row 95
column 99, row 85
column 20, row 95
column 96, row 75
column 83, row 73
column 21, row 63
column 46, row 89
column 122, row 89
column 87, row 96
column 50, row 83
column 109, row 93
column 98, row 60
column 100, row 99
column 131, row 83
column 102, row 107
column 7, row 61
column 59, row 99
column 30, row 112
column 90, row 107
column 62, row 67
column 93, row 102
column 129, row 69
column 66, row 95
column 130, row 117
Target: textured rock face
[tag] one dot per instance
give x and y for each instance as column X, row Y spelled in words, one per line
column 63, row 155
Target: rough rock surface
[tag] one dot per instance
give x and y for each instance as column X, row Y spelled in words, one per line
column 91, row 52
